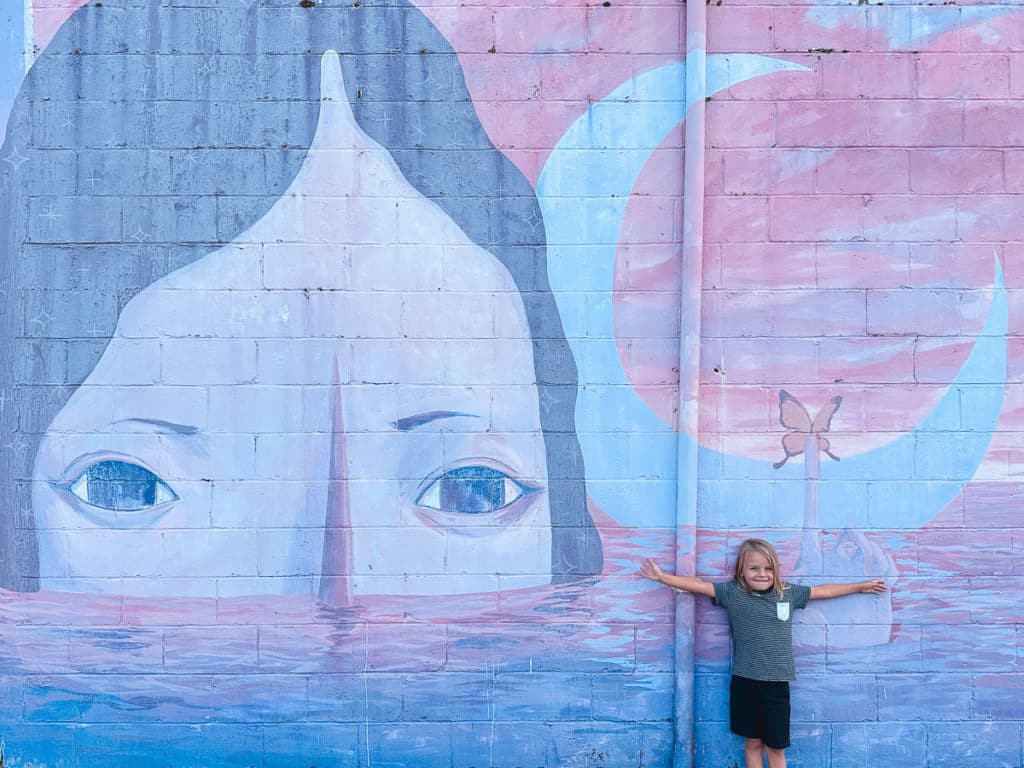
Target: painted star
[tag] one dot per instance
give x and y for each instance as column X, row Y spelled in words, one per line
column 51, row 215
column 547, row 400
column 42, row 319
column 139, row 236
column 16, row 159
column 533, row 217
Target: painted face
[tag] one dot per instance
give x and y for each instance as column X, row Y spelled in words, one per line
column 345, row 392
column 758, row 571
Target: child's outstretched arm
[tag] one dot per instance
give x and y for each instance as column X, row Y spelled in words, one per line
column 650, row 570
column 825, row 591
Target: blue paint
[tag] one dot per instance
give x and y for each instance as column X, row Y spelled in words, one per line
column 474, row 490
column 912, row 26
column 12, row 50
column 116, row 485
column 586, row 246
column 532, row 703
column 630, row 122
column 533, row 689
column 125, row 174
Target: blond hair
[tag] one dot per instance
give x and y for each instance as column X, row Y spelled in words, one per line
column 766, row 550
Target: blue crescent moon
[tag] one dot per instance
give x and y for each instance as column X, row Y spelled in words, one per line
column 631, row 455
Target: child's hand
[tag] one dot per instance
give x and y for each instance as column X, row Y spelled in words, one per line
column 650, row 570
column 873, row 587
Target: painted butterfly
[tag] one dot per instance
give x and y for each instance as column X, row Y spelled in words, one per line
column 795, row 418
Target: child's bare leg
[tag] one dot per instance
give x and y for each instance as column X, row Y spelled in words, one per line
column 752, row 748
column 776, row 758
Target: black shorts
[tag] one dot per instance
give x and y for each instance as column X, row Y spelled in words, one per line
column 760, row 710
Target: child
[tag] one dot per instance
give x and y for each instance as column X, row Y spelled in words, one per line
column 760, row 608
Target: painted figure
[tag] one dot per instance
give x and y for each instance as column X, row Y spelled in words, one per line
column 330, row 367
column 295, row 404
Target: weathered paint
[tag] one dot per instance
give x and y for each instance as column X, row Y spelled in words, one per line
column 12, row 46
column 341, row 349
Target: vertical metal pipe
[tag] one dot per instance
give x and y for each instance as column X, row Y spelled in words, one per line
column 28, row 36
column 691, row 275
column 13, row 61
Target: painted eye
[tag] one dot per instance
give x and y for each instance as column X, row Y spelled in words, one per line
column 120, row 486
column 472, row 490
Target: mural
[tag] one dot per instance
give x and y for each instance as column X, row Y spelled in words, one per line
column 12, row 50
column 339, row 396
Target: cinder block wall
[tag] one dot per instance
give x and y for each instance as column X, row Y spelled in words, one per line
column 859, row 212
column 340, row 363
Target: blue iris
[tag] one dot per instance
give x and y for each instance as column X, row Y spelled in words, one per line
column 120, row 486
column 474, row 490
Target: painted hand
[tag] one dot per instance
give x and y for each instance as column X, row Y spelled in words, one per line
column 845, row 557
column 853, row 555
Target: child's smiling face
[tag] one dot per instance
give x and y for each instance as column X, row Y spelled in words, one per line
column 758, row 571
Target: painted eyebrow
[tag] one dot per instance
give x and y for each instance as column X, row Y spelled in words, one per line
column 419, row 419
column 180, row 429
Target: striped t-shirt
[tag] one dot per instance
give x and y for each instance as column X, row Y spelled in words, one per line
column 762, row 629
